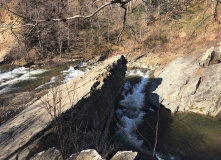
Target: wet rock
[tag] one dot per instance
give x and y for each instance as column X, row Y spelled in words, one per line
column 28, row 64
column 124, row 155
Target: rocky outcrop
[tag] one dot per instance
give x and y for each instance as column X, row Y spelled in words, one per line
column 190, row 83
column 142, row 61
column 92, row 94
column 51, row 153
column 92, row 154
column 89, row 154
column 86, row 155
column 124, row 155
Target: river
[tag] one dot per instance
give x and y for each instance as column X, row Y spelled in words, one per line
column 23, row 79
column 19, row 86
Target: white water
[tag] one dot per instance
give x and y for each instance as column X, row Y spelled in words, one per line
column 8, row 79
column 11, row 78
column 82, row 64
column 52, row 80
column 71, row 73
column 130, row 114
column 12, row 74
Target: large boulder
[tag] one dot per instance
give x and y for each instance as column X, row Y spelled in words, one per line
column 191, row 83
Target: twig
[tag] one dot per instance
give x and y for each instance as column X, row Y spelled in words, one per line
column 155, row 145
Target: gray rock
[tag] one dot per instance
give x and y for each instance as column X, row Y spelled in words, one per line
column 124, row 155
column 206, row 57
column 191, row 84
column 172, row 106
column 217, row 56
column 51, row 153
column 89, row 154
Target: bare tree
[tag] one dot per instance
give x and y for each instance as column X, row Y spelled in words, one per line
column 51, row 25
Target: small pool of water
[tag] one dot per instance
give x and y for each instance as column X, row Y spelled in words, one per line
column 183, row 135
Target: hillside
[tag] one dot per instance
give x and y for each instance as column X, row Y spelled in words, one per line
column 160, row 32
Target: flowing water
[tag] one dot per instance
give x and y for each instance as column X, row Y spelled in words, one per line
column 27, row 79
column 130, row 112
column 21, row 85
column 180, row 136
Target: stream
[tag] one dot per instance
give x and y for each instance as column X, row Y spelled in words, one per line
column 20, row 85
column 23, row 79
column 180, row 136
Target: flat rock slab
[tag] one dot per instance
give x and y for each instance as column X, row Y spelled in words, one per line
column 17, row 132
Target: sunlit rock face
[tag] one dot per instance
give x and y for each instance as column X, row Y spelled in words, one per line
column 191, row 83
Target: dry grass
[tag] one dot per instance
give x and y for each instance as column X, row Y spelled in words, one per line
column 167, row 38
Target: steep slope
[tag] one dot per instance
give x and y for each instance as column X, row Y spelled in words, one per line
column 160, row 34
column 7, row 39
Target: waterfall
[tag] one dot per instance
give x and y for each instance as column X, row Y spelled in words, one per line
column 130, row 113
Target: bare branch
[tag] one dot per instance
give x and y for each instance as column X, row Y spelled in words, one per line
column 80, row 16
column 215, row 12
column 123, row 3
column 156, row 135
column 36, row 22
column 124, row 23
column 21, row 16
